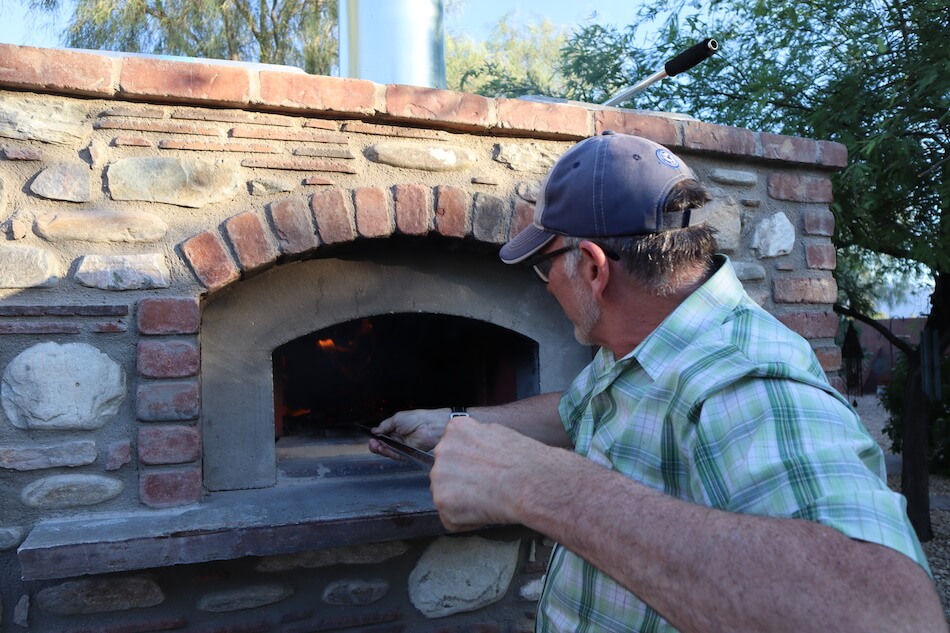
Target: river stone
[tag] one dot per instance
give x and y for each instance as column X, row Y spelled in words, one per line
column 101, row 225
column 64, row 181
column 21, row 612
column 526, row 157
column 69, row 491
column 425, row 157
column 461, row 574
column 99, row 595
column 250, row 597
column 355, row 592
column 27, row 267
column 186, row 182
column 747, row 271
column 734, row 177
column 774, row 236
column 48, row 120
column 124, row 272
column 11, row 537
column 368, row 554
column 40, row 456
column 63, row 387
column 723, row 215
column 528, row 190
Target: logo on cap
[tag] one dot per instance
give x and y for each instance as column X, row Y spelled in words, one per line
column 667, row 158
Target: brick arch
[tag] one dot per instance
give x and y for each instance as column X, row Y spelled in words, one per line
column 297, row 226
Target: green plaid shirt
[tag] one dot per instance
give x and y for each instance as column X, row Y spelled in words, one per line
column 723, row 406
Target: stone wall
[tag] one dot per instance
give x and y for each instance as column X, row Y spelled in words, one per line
column 133, row 191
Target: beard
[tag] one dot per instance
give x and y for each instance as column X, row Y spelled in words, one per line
column 588, row 313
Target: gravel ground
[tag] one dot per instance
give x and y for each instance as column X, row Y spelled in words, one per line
column 938, row 549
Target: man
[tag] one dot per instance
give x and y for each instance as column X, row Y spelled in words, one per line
column 716, row 482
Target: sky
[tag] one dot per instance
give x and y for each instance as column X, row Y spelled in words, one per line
column 463, row 17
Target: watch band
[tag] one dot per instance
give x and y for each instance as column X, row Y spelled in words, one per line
column 458, row 412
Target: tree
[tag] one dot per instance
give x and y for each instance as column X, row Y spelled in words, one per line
column 289, row 32
column 871, row 74
column 519, row 58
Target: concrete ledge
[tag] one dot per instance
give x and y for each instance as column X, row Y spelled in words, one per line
column 230, row 525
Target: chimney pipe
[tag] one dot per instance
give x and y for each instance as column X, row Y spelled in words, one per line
column 393, row 41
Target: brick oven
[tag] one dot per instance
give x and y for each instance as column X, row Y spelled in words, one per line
column 212, row 270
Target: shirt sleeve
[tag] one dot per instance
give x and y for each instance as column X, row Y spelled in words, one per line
column 780, row 448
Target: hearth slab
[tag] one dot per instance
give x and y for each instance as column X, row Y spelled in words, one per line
column 229, row 525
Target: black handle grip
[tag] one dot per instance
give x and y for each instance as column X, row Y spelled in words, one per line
column 691, row 56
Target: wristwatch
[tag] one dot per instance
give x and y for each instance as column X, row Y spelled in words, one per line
column 458, row 412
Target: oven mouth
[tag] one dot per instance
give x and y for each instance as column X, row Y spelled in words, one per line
column 331, row 382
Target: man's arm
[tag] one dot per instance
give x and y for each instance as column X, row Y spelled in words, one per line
column 535, row 417
column 702, row 569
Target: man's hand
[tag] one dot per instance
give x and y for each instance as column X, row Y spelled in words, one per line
column 479, row 472
column 421, row 428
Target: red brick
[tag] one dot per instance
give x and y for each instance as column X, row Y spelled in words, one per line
column 323, row 125
column 812, row 324
column 545, row 119
column 210, row 261
column 799, row 188
column 135, row 111
column 838, row 383
column 335, row 222
column 250, row 242
column 829, row 356
column 322, row 151
column 171, row 315
column 832, row 154
column 167, row 358
column 159, row 445
column 659, row 129
column 118, row 454
column 283, row 134
column 109, row 327
column 169, row 127
column 25, row 67
column 821, row 256
column 58, row 327
column 789, row 148
column 315, row 92
column 413, row 209
column 453, row 109
column 394, row 130
column 373, row 218
column 256, row 626
column 298, row 164
column 452, row 211
column 167, row 401
column 318, row 180
column 22, row 153
column 131, row 141
column 185, row 81
column 293, row 225
column 231, row 116
column 524, row 215
column 167, row 489
column 805, row 290
column 198, row 146
column 719, row 139
column 819, row 222
column 140, row 626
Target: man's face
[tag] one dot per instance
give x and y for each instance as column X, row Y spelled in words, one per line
column 573, row 293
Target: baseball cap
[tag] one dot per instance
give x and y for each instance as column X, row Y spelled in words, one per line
column 610, row 185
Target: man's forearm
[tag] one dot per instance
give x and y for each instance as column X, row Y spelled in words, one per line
column 707, row 570
column 535, row 416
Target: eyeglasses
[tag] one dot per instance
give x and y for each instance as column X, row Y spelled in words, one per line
column 541, row 265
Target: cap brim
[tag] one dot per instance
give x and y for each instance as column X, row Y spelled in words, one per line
column 525, row 244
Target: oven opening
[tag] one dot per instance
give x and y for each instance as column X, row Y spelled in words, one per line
column 362, row 371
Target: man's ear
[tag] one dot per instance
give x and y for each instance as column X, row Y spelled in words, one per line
column 594, row 267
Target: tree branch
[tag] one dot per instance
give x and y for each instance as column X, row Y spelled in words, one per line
column 877, row 326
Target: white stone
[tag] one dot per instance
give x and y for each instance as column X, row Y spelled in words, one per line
column 355, row 591
column 42, row 119
column 98, row 595
column 747, row 271
column 70, row 491
column 27, row 267
column 461, row 574
column 186, row 182
column 64, row 181
column 39, row 456
column 527, row 157
column 734, row 177
column 723, row 215
column 425, row 157
column 63, row 387
column 101, row 225
column 123, row 272
column 774, row 236
column 532, row 590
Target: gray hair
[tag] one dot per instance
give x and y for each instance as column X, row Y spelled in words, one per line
column 663, row 262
